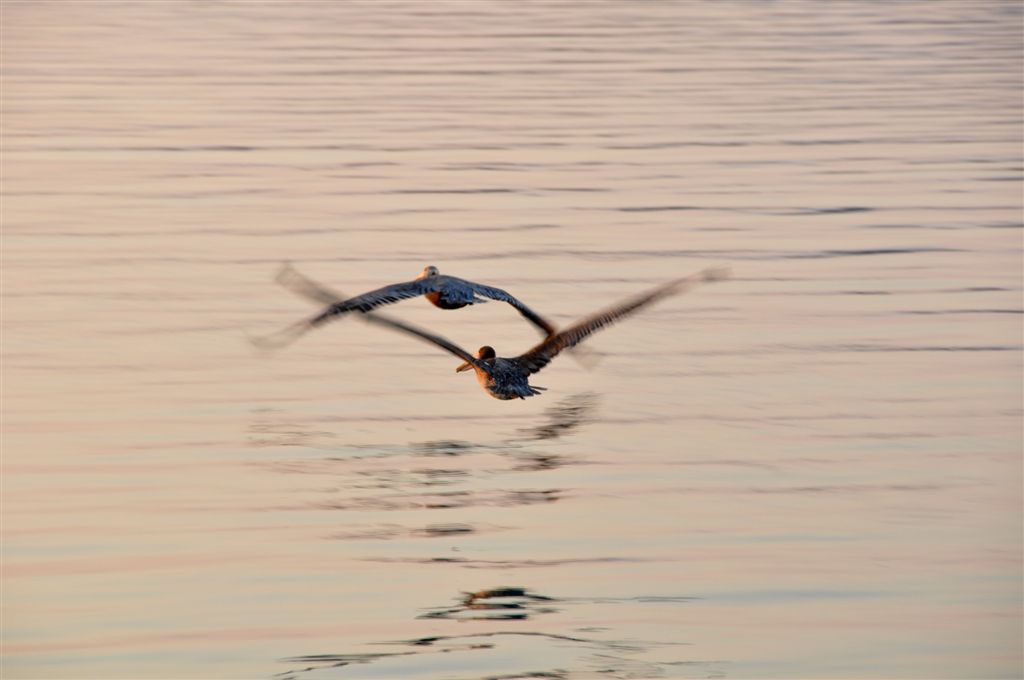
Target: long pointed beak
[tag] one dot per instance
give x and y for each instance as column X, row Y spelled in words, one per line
column 464, row 367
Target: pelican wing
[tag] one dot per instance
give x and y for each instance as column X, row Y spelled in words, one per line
column 503, row 296
column 336, row 303
column 376, row 298
column 541, row 355
column 443, row 343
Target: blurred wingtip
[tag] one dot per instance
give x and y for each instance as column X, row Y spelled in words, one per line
column 709, row 275
column 279, row 339
column 259, row 343
column 716, row 274
column 285, row 272
column 586, row 357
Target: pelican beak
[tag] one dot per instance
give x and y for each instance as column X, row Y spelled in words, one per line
column 464, row 367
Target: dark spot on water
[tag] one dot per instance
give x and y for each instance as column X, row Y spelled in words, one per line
column 658, row 208
column 676, row 145
column 454, row 191
column 935, row 348
column 441, row 500
column 396, row 531
column 443, row 447
column 940, row 312
column 435, row 530
column 848, row 488
column 528, row 497
column 828, row 211
column 514, row 227
column 977, row 289
column 540, row 461
column 863, row 252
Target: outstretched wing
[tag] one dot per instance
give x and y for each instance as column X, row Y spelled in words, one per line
column 503, row 296
column 376, row 298
column 541, row 355
column 335, row 301
column 443, row 343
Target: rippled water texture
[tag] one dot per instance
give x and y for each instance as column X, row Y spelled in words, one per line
column 810, row 471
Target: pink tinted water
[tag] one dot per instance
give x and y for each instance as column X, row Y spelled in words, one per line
column 810, row 471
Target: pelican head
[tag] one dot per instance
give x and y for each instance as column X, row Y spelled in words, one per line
column 428, row 272
column 484, row 353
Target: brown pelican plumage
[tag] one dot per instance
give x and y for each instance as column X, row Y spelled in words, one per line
column 445, row 292
column 508, row 378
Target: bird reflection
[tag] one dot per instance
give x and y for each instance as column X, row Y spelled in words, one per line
column 495, row 604
column 564, row 417
column 493, row 654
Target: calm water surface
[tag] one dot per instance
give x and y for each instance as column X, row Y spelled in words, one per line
column 810, row 471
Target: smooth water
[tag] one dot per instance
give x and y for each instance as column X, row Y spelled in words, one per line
column 810, row 471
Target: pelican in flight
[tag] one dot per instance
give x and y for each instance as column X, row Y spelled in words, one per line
column 445, row 292
column 508, row 378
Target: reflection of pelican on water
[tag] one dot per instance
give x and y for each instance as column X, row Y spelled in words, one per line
column 563, row 417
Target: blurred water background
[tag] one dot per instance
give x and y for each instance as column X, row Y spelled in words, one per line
column 810, row 471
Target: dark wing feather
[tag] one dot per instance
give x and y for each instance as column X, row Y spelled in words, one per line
column 503, row 296
column 443, row 343
column 541, row 355
column 375, row 298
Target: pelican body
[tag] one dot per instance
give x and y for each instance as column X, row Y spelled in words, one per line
column 509, row 377
column 501, row 378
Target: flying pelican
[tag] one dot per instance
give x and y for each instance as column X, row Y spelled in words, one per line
column 445, row 292
column 508, row 378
